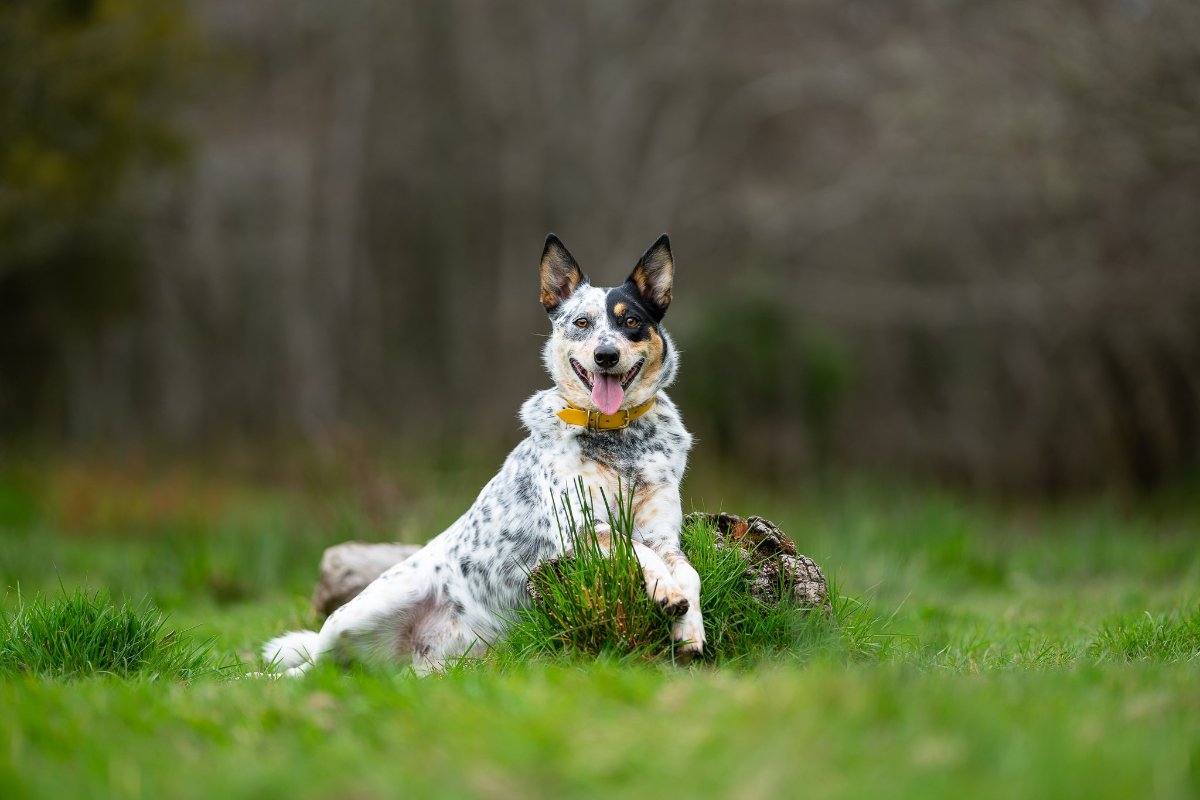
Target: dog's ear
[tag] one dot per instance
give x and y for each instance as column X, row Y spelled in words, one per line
column 653, row 275
column 560, row 274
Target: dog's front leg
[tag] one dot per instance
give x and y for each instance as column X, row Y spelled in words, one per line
column 688, row 630
column 660, row 581
column 658, row 517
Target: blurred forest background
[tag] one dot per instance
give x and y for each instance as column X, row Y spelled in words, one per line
column 957, row 239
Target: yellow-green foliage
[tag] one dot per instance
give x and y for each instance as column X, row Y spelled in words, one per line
column 88, row 90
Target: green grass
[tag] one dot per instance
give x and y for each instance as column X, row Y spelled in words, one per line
column 1148, row 637
column 595, row 605
column 976, row 649
column 79, row 633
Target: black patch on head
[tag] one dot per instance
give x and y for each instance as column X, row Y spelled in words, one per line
column 635, row 306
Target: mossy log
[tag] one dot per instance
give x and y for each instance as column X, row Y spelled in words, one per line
column 772, row 560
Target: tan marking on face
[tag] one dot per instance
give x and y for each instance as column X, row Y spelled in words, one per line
column 652, row 351
column 619, row 309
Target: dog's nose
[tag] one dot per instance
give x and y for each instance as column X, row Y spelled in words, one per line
column 607, row 356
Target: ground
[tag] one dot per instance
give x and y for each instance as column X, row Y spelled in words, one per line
column 1001, row 649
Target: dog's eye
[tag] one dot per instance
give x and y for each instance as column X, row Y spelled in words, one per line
column 632, row 322
column 582, row 322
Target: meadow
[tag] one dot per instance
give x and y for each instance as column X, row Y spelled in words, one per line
column 981, row 647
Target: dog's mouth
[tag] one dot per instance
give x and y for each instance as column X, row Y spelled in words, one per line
column 589, row 381
column 608, row 389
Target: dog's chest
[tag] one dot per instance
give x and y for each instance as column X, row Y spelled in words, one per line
column 616, row 461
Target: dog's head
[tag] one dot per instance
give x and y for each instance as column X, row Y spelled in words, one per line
column 608, row 349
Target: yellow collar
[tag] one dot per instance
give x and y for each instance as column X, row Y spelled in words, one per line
column 595, row 421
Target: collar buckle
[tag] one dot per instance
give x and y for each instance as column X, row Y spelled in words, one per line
column 594, row 419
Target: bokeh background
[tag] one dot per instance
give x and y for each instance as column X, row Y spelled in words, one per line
column 951, row 240
column 268, row 283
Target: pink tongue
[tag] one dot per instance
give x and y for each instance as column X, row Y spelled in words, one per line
column 607, row 393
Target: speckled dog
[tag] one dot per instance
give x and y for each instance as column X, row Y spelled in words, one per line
column 606, row 420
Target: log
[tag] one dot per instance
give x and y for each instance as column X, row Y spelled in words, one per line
column 347, row 569
column 772, row 564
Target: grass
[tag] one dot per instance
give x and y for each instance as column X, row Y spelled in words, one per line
column 1148, row 637
column 595, row 604
column 81, row 633
column 977, row 649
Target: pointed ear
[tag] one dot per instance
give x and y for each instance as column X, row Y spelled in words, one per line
column 560, row 274
column 654, row 274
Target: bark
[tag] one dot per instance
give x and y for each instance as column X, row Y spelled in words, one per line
column 347, row 568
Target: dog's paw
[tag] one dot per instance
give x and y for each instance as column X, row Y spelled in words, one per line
column 688, row 635
column 673, row 606
column 669, row 597
column 688, row 652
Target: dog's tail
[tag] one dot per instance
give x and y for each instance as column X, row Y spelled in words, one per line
column 292, row 650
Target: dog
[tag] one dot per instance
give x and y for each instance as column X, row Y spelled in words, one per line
column 607, row 422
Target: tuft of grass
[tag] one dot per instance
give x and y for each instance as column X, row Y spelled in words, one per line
column 1165, row 637
column 82, row 633
column 595, row 604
